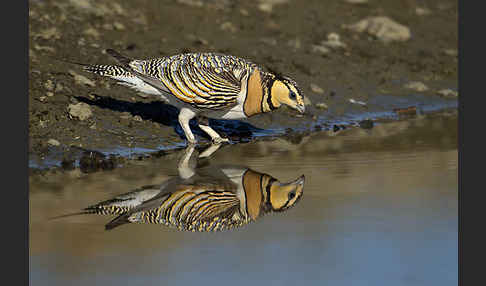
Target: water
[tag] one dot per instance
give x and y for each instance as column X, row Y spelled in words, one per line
column 379, row 207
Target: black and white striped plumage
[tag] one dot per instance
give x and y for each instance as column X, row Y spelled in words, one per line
column 206, row 84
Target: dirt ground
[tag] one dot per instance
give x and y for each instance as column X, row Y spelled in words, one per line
column 315, row 42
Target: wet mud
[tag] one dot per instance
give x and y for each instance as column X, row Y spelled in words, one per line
column 351, row 79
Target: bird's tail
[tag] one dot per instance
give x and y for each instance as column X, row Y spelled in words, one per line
column 124, row 60
column 120, row 220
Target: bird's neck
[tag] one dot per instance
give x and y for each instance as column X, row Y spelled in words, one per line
column 259, row 98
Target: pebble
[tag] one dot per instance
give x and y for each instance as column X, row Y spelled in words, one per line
column 333, row 42
column 448, row 92
column 316, row 89
column 53, row 142
column 81, row 79
column 321, row 105
column 321, row 50
column 229, row 27
column 81, row 111
column 417, row 86
column 50, row 94
column 451, row 52
column 383, row 28
column 92, row 32
column 421, row 11
column 267, row 5
column 49, row 85
column 194, row 3
column 47, row 34
column 138, row 118
column 118, row 26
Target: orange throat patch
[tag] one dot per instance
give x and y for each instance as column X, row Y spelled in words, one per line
column 254, row 95
column 253, row 191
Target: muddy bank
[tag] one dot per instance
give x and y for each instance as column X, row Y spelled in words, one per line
column 353, row 61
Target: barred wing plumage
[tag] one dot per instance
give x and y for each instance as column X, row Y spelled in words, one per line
column 203, row 80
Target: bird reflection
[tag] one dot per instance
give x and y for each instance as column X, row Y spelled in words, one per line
column 203, row 199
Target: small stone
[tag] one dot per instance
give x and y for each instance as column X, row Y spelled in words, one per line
column 229, row 27
column 448, row 92
column 383, row 28
column 316, row 89
column 420, row 11
column 417, row 86
column 49, row 85
column 81, row 79
column 42, row 99
column 53, row 142
column 118, row 26
column 244, row 12
column 107, row 26
column 44, row 48
column 451, row 52
column 321, row 50
column 267, row 5
column 333, row 42
column 138, row 118
column 50, row 94
column 321, row 105
column 51, row 33
column 81, row 111
column 92, row 32
column 366, row 124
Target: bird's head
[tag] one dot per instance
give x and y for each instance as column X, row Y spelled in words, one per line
column 285, row 195
column 284, row 90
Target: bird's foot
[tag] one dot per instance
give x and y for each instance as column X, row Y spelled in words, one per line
column 219, row 140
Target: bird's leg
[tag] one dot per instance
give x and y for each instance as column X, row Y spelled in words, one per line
column 185, row 168
column 203, row 123
column 185, row 115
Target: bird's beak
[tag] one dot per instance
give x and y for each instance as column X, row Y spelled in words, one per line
column 300, row 109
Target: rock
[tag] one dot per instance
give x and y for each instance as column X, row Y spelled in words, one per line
column 92, row 32
column 451, row 52
column 42, row 98
column 229, row 27
column 383, row 28
column 333, row 42
column 320, row 50
column 321, row 105
column 44, row 48
column 49, row 94
column 244, row 12
column 81, row 79
column 138, row 118
column 49, row 85
column 47, row 34
column 316, row 89
column 53, row 142
column 267, row 5
column 366, row 124
column 118, row 26
column 420, row 11
column 417, row 86
column 81, row 111
column 59, row 87
column 448, row 92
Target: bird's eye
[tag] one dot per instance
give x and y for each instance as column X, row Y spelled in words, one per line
column 291, row 195
column 292, row 95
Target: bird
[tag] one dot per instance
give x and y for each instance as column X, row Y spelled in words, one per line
column 204, row 199
column 205, row 85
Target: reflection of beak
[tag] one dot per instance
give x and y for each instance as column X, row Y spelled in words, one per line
column 301, row 109
column 299, row 181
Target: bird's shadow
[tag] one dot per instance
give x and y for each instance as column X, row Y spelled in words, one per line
column 167, row 114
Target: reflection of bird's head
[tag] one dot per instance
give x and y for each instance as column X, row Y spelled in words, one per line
column 282, row 196
column 265, row 193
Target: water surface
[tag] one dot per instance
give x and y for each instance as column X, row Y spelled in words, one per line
column 379, row 207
